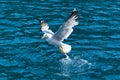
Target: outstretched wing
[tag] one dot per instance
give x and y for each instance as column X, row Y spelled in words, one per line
column 45, row 28
column 67, row 28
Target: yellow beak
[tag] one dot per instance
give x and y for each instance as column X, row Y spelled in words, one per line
column 43, row 37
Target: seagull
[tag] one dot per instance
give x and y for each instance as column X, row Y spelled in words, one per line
column 61, row 34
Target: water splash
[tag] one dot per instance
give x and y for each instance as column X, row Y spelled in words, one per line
column 65, row 66
column 75, row 65
column 68, row 58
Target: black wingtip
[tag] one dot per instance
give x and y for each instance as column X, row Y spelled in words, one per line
column 75, row 11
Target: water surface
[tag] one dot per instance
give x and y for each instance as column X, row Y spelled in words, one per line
column 95, row 41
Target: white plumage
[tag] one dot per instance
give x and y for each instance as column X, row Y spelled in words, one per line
column 63, row 32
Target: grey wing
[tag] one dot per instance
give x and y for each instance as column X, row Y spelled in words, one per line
column 45, row 28
column 67, row 28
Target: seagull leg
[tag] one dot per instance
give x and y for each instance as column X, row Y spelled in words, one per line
column 62, row 50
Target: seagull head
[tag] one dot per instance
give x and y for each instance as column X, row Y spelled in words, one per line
column 44, row 25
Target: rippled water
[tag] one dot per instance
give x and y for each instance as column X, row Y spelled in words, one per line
column 96, row 40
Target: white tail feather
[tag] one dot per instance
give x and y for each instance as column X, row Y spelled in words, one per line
column 66, row 47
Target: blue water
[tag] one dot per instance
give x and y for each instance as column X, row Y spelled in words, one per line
column 95, row 41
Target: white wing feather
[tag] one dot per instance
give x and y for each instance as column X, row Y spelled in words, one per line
column 67, row 28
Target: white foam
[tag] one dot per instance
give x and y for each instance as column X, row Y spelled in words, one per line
column 75, row 65
column 65, row 66
column 68, row 58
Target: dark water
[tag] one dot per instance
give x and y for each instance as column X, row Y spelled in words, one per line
column 96, row 40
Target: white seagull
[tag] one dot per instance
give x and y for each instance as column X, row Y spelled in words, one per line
column 63, row 32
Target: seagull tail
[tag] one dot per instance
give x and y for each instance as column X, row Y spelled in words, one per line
column 66, row 48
